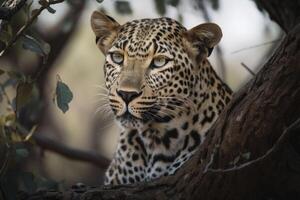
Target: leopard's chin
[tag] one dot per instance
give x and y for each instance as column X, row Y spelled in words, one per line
column 130, row 121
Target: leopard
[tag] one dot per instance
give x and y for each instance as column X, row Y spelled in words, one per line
column 162, row 91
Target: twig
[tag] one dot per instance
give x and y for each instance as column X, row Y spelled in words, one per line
column 68, row 152
column 29, row 22
column 7, row 155
column 248, row 69
column 277, row 144
column 6, row 161
column 258, row 45
column 7, row 13
column 7, row 98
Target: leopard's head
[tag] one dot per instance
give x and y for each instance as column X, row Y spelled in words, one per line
column 151, row 65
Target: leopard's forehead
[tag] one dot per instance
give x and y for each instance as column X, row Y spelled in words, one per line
column 139, row 35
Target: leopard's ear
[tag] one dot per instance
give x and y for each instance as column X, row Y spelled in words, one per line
column 105, row 29
column 204, row 37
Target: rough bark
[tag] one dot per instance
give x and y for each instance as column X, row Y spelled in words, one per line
column 253, row 150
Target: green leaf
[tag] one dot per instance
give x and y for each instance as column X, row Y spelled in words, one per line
column 21, row 153
column 63, row 95
column 24, row 92
column 32, row 44
column 246, row 155
column 6, row 33
column 99, row 1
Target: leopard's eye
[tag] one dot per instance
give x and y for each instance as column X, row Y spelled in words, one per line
column 117, row 57
column 159, row 62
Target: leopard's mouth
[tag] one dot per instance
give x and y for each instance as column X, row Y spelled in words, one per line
column 128, row 116
column 128, row 120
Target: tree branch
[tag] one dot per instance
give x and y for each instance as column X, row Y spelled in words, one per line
column 248, row 69
column 68, row 152
column 71, row 153
column 276, row 147
column 6, row 13
column 29, row 23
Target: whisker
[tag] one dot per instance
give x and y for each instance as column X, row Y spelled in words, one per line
column 186, row 101
column 167, row 109
column 162, row 112
column 107, row 125
column 100, row 94
column 100, row 86
column 154, row 116
column 105, row 108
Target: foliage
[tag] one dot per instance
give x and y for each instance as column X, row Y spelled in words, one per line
column 16, row 142
column 63, row 95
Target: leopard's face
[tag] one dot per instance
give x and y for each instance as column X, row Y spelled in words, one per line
column 149, row 68
column 140, row 71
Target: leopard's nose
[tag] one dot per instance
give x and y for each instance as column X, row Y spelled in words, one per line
column 128, row 96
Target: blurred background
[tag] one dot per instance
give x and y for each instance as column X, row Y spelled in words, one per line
column 65, row 148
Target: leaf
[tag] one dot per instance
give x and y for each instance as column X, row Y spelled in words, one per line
column 246, row 155
column 6, row 33
column 32, row 44
column 51, row 10
column 24, row 92
column 63, row 95
column 99, row 1
column 21, row 153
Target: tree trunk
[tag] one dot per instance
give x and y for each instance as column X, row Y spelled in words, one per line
column 252, row 151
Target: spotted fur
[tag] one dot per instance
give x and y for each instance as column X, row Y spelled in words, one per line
column 174, row 105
